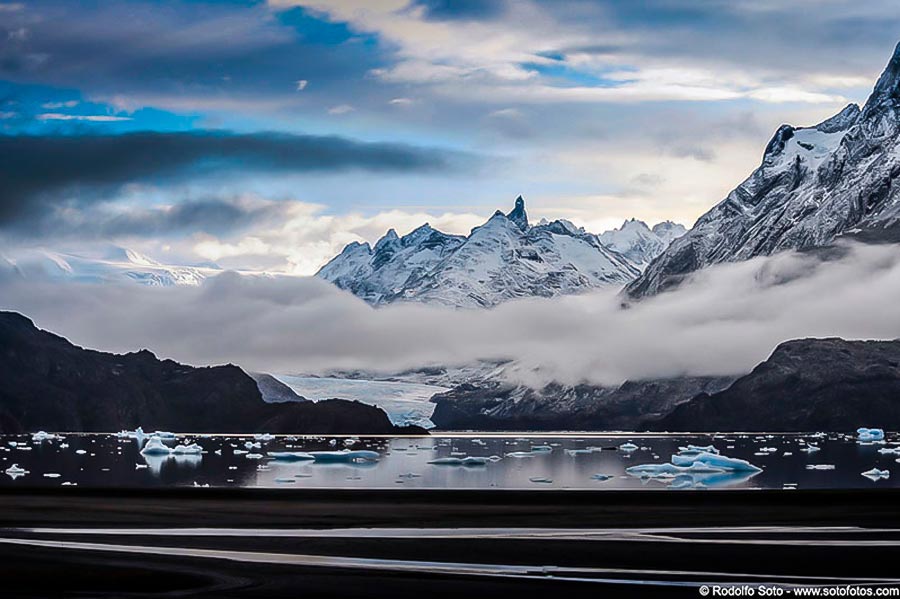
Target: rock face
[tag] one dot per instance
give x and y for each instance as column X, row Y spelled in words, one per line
column 503, row 259
column 496, row 406
column 814, row 184
column 50, row 384
column 807, row 384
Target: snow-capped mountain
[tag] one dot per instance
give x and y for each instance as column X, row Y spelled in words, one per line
column 113, row 264
column 814, row 184
column 640, row 243
column 503, row 259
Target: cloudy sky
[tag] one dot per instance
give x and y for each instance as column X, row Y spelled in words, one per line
column 267, row 135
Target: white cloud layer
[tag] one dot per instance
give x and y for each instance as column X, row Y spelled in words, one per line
column 725, row 322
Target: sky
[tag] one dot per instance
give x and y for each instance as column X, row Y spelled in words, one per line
column 265, row 136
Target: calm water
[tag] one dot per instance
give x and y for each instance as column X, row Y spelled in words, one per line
column 107, row 461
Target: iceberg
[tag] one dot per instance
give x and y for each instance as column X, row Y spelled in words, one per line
column 15, row 471
column 192, row 449
column 468, row 461
column 155, row 446
column 628, row 447
column 671, row 470
column 290, row 456
column 869, row 435
column 876, row 474
column 697, row 449
column 345, row 455
column 715, row 460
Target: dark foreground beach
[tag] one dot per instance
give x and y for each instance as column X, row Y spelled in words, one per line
column 406, row 543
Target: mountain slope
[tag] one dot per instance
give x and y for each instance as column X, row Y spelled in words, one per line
column 50, row 384
column 814, row 184
column 806, row 384
column 115, row 264
column 503, row 259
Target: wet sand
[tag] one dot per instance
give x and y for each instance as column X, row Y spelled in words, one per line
column 287, row 542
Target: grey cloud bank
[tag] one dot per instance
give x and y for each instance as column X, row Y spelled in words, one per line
column 725, row 322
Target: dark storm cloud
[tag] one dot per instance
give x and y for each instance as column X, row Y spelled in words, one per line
column 40, row 173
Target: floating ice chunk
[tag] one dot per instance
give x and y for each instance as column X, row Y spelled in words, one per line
column 218, row 452
column 696, row 449
column 80, row 451
column 239, row 452
column 876, row 474
column 285, row 480
column 541, row 448
column 63, row 445
column 820, row 466
column 350, row 442
column 140, row 466
column 889, row 450
column 541, row 479
column 254, row 456
column 628, row 447
column 716, row 460
column 467, row 461
column 52, row 475
column 204, row 485
column 586, row 450
column 192, row 449
column 41, row 436
column 521, row 454
column 671, row 470
column 164, row 435
column 252, row 445
column 290, row 456
column 869, row 435
column 409, row 475
column 155, row 446
column 601, row 477
column 15, row 471
column 345, row 455
column 810, row 448
column 264, row 437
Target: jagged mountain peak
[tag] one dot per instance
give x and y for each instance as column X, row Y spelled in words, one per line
column 518, row 214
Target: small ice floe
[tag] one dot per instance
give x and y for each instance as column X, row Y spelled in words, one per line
column 889, row 450
column 164, row 435
column 697, row 449
column 13, row 443
column 52, row 475
column 140, row 466
column 69, row 484
column 254, row 456
column 869, row 435
column 232, row 467
column 239, row 452
column 350, row 442
column 787, row 454
column 820, row 466
column 252, row 445
column 541, row 479
column 409, row 475
column 810, row 448
column 455, row 461
column 541, row 448
column 218, row 452
column 285, row 480
column 601, row 477
column 345, row 455
column 41, row 436
column 204, row 485
column 521, row 454
column 876, row 474
column 290, row 456
column 80, row 451
column 264, row 437
column 585, row 451
column 15, row 471
column 63, row 445
column 628, row 447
